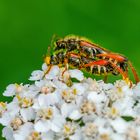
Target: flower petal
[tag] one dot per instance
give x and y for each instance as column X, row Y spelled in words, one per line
column 36, row 75
column 10, row 90
column 7, row 132
column 75, row 115
column 28, row 114
column 42, row 126
column 53, row 73
column 76, row 74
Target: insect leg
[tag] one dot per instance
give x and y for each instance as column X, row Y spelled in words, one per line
column 134, row 72
column 48, row 70
column 47, row 60
column 114, row 56
column 98, row 62
column 106, row 62
column 66, row 65
column 123, row 73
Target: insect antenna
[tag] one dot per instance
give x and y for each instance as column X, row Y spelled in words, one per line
column 47, row 57
column 54, row 39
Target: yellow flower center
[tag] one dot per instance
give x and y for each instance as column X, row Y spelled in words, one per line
column 113, row 110
column 3, row 108
column 49, row 113
column 18, row 87
column 75, row 91
column 69, row 129
column 16, row 123
column 88, row 107
column 46, row 113
column 2, row 104
column 34, row 136
column 104, row 137
column 24, row 102
column 91, row 130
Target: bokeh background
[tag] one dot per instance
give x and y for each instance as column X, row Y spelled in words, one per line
column 26, row 28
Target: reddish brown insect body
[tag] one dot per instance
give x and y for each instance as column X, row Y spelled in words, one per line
column 83, row 54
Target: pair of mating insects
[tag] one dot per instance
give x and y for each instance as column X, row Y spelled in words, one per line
column 81, row 53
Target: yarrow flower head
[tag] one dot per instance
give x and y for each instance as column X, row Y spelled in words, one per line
column 65, row 105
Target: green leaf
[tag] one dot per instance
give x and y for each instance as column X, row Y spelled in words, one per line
column 80, row 122
column 127, row 118
column 75, row 80
column 135, row 104
column 68, row 119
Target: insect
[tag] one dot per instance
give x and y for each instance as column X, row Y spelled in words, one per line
column 81, row 53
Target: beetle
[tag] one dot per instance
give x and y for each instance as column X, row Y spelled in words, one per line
column 82, row 53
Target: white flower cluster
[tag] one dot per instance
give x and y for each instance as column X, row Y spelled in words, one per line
column 67, row 106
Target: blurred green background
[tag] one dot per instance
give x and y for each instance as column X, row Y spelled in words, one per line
column 26, row 28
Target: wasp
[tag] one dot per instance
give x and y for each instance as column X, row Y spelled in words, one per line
column 82, row 53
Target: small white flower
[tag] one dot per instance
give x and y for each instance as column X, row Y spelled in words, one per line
column 49, row 119
column 90, row 130
column 34, row 135
column 12, row 89
column 112, row 112
column 88, row 107
column 23, row 132
column 79, row 88
column 45, row 86
column 24, row 101
column 69, row 95
column 7, row 117
column 125, row 106
column 69, row 129
column 46, row 125
column 49, row 99
column 36, row 75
